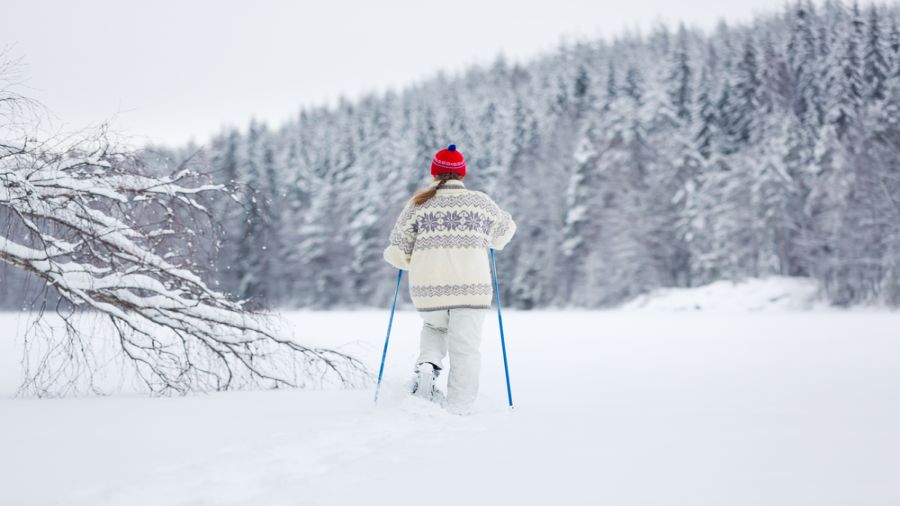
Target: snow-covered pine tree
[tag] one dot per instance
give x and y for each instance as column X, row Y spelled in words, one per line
column 376, row 179
column 803, row 61
column 579, row 233
column 258, row 181
column 875, row 65
column 843, row 79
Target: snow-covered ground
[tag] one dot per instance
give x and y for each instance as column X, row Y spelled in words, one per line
column 623, row 407
column 767, row 294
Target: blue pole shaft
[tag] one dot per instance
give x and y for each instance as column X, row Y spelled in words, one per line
column 388, row 336
column 502, row 337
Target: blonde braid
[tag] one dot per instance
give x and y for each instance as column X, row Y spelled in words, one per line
column 425, row 195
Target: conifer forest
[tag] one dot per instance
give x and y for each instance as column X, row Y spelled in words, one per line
column 672, row 158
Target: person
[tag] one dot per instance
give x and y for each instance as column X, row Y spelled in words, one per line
column 442, row 237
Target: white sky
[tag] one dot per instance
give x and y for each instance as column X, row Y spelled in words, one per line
column 168, row 71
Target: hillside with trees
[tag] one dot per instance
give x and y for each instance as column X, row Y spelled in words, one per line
column 673, row 158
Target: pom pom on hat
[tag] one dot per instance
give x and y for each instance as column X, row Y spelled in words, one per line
column 448, row 161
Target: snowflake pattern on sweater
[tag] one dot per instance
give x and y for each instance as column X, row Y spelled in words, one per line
column 439, row 221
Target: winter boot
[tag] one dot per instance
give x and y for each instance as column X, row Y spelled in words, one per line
column 423, row 384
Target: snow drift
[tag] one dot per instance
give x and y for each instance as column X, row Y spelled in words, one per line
column 768, row 294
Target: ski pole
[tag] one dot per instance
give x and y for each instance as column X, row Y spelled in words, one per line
column 388, row 336
column 502, row 338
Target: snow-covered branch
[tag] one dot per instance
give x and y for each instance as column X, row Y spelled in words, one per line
column 90, row 222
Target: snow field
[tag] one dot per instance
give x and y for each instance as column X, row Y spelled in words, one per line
column 618, row 407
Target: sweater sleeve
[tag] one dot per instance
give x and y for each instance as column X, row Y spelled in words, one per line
column 402, row 239
column 503, row 230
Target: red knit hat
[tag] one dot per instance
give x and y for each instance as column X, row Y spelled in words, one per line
column 448, row 160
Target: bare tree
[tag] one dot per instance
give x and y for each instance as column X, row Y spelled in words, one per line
column 88, row 219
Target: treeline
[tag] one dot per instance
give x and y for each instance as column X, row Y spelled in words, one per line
column 673, row 158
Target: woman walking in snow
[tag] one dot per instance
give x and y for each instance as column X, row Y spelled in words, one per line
column 442, row 238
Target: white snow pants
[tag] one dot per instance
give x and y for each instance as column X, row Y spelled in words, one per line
column 459, row 331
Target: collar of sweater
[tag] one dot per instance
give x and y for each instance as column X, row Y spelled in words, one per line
column 451, row 184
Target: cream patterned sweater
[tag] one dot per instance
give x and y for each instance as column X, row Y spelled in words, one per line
column 444, row 243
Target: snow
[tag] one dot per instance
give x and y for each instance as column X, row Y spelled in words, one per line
column 622, row 407
column 766, row 294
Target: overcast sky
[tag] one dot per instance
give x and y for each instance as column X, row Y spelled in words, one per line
column 169, row 71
